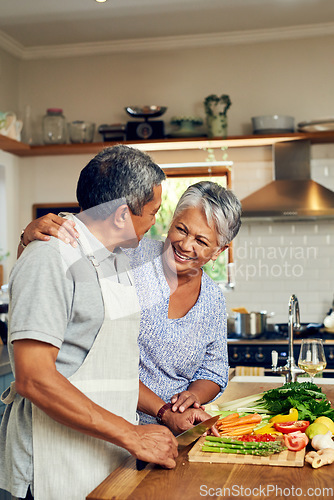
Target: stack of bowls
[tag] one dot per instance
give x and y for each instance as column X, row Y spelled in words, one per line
column 273, row 124
column 81, row 131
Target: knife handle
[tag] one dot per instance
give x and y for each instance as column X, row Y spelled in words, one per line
column 140, row 464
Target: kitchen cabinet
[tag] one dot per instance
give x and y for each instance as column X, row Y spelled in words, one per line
column 24, row 150
column 190, row 481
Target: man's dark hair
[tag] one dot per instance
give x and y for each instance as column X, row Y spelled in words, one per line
column 121, row 174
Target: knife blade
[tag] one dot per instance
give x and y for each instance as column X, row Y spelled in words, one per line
column 195, row 432
column 187, row 437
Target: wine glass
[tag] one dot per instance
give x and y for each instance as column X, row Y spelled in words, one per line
column 312, row 357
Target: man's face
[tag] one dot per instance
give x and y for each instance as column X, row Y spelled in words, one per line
column 142, row 223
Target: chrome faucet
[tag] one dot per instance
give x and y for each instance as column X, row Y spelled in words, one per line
column 290, row 370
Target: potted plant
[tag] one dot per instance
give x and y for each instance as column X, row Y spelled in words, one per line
column 216, row 108
column 186, row 125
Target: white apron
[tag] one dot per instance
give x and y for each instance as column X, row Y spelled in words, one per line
column 68, row 465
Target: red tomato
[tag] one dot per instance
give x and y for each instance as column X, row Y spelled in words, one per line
column 287, row 427
column 258, row 438
column 295, row 441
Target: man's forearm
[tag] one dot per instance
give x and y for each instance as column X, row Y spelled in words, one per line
column 50, row 391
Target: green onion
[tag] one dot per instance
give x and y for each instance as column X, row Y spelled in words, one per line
column 248, row 404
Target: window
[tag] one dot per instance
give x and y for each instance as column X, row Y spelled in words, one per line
column 179, row 177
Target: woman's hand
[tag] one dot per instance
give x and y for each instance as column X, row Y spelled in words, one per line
column 51, row 225
column 184, row 400
column 179, row 422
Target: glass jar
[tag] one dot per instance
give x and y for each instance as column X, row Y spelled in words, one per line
column 54, row 127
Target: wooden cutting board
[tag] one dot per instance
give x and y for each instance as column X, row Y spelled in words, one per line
column 285, row 458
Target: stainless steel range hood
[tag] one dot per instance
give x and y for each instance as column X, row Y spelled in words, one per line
column 292, row 195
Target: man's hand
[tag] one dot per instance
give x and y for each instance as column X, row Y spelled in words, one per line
column 154, row 443
column 51, row 225
column 38, row 380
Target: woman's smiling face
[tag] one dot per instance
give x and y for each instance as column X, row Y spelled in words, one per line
column 192, row 241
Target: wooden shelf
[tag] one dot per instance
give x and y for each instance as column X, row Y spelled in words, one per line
column 12, row 146
column 21, row 149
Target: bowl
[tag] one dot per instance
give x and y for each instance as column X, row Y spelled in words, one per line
column 273, row 124
column 81, row 131
column 145, row 111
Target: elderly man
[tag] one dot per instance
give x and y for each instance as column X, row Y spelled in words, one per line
column 74, row 321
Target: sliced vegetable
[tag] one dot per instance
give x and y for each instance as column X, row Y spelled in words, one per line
column 288, row 427
column 292, row 417
column 295, row 441
column 306, row 397
column 258, row 438
column 229, row 418
column 224, row 424
column 267, row 429
column 247, row 419
column 237, row 426
column 238, row 431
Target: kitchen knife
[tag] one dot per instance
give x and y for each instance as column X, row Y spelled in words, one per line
column 195, row 432
column 188, row 436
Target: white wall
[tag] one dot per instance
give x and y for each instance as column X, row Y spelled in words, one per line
column 272, row 260
column 10, row 206
column 9, row 82
column 278, row 259
column 288, row 77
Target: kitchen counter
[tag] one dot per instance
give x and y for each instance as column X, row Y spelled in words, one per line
column 191, row 481
column 4, row 361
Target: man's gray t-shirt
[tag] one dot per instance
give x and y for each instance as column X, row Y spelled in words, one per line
column 55, row 298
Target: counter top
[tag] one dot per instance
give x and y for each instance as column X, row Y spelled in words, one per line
column 279, row 341
column 4, row 361
column 191, row 481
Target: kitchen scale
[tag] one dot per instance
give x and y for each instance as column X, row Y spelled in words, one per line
column 145, row 129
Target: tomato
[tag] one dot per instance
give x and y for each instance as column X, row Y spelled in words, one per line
column 295, row 441
column 258, row 438
column 287, row 427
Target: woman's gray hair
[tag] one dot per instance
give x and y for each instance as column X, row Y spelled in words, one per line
column 219, row 205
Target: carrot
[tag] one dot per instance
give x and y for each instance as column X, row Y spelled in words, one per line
column 248, row 419
column 235, row 433
column 232, row 416
column 236, row 428
column 246, row 429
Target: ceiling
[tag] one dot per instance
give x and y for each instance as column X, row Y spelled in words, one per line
column 38, row 23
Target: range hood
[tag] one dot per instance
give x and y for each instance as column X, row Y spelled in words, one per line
column 292, row 195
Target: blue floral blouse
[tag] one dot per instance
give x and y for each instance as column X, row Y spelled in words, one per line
column 176, row 352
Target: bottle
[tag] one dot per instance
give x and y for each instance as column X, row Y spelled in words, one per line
column 54, row 126
column 27, row 130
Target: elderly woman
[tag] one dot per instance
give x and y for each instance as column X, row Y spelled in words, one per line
column 183, row 335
